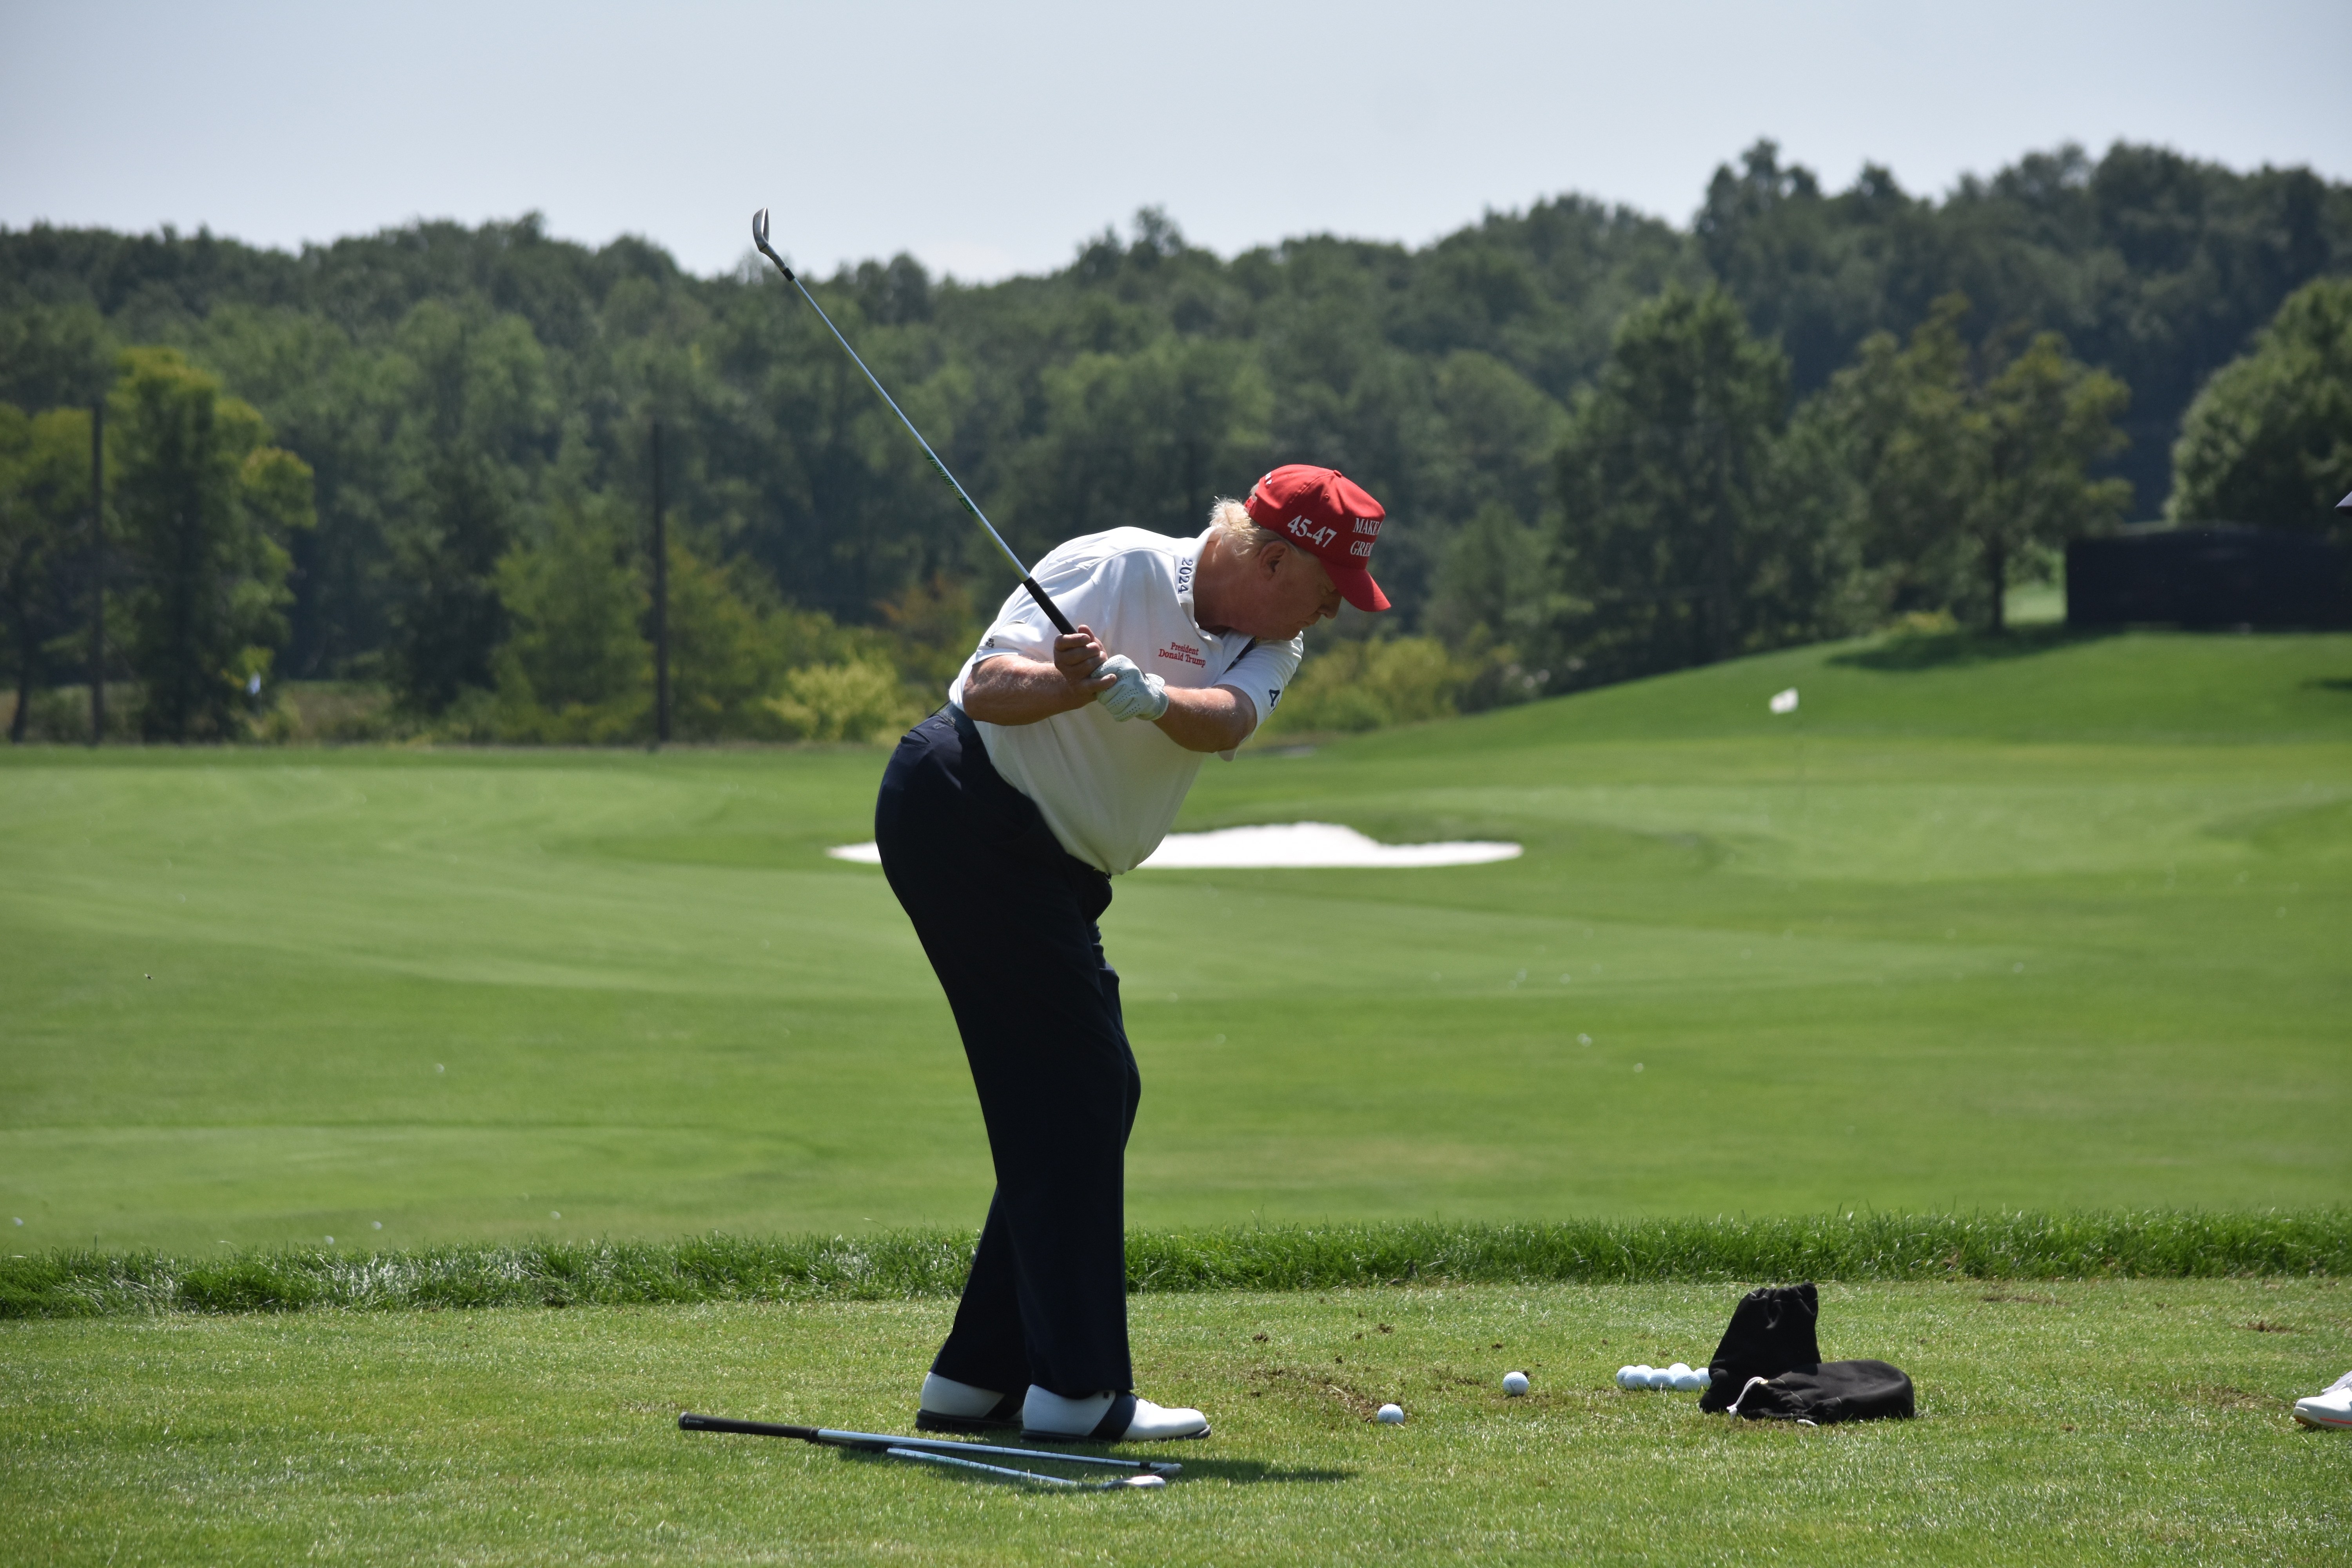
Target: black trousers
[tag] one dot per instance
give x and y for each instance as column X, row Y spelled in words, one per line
column 1007, row 917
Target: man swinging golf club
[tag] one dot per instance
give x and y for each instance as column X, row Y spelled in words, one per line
column 1058, row 762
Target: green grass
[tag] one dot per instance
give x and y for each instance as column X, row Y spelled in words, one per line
column 899, row 1265
column 2018, row 965
column 2110, row 1422
column 2050, row 924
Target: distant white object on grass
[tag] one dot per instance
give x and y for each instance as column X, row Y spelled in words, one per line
column 1391, row 1415
column 1515, row 1384
column 1289, row 844
column 1634, row 1376
column 1660, row 1377
column 1691, row 1380
column 1785, row 701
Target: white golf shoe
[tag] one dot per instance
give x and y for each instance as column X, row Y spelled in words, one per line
column 1046, row 1417
column 2332, row 1407
column 951, row 1406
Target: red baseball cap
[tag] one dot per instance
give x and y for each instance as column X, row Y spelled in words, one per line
column 1330, row 516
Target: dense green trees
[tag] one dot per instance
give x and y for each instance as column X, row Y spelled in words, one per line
column 2270, row 439
column 1965, row 466
column 1609, row 445
column 44, row 538
column 447, row 619
column 205, row 506
column 2154, row 267
column 1677, row 544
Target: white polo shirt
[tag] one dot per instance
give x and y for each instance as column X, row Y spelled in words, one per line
column 1110, row 791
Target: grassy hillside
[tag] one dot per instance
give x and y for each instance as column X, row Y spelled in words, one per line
column 2051, row 924
column 2040, row 683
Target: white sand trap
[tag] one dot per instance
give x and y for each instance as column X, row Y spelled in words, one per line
column 1297, row 844
column 1312, row 844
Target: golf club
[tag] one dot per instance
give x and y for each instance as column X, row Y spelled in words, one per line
column 878, row 1442
column 1053, row 612
column 930, row 1458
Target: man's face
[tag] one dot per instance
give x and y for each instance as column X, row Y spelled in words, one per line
column 1286, row 591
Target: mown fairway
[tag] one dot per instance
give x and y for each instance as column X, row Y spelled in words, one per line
column 2114, row 1422
column 2058, row 927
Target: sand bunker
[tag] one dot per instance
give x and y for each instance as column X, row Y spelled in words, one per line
column 1284, row 843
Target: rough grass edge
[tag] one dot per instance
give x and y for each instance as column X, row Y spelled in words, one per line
column 909, row 1264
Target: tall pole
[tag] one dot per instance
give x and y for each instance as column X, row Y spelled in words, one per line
column 97, row 572
column 661, row 602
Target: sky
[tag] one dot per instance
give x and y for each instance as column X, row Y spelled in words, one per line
column 993, row 139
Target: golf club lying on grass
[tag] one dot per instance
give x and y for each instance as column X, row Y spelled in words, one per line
column 930, row 1458
column 1053, row 612
column 933, row 1450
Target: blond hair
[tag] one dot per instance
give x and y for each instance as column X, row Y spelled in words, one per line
column 1240, row 531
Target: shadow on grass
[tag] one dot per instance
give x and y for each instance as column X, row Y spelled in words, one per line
column 1255, row 1472
column 1233, row 1472
column 1947, row 651
column 2339, row 683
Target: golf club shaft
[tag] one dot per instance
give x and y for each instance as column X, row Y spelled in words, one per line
column 930, row 1458
column 1053, row 611
column 877, row 1441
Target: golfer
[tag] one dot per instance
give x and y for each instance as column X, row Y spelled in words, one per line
column 1059, row 763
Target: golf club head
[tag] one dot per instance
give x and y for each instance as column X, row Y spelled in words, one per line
column 1144, row 1481
column 759, row 238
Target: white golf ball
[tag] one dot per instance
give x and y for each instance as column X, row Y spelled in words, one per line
column 1633, row 1377
column 1659, row 1378
column 1393, row 1414
column 1693, row 1381
column 1515, row 1384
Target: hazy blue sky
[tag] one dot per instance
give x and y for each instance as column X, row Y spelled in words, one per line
column 990, row 138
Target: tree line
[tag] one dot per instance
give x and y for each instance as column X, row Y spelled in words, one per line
column 418, row 461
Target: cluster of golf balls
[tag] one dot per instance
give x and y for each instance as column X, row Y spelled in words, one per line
column 1677, row 1376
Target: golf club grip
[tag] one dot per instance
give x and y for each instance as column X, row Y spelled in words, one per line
column 1053, row 611
column 689, row 1422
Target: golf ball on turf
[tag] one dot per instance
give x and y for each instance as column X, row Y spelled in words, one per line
column 1515, row 1384
column 1692, row 1382
column 1659, row 1378
column 1393, row 1414
column 1633, row 1377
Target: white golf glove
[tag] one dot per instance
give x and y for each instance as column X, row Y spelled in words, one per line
column 1137, row 695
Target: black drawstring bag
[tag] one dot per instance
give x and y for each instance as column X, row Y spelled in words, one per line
column 1770, row 1366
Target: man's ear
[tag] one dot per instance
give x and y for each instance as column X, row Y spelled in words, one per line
column 1272, row 553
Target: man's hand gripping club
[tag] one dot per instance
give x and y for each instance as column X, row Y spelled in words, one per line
column 1009, row 689
column 1116, row 681
column 1132, row 694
